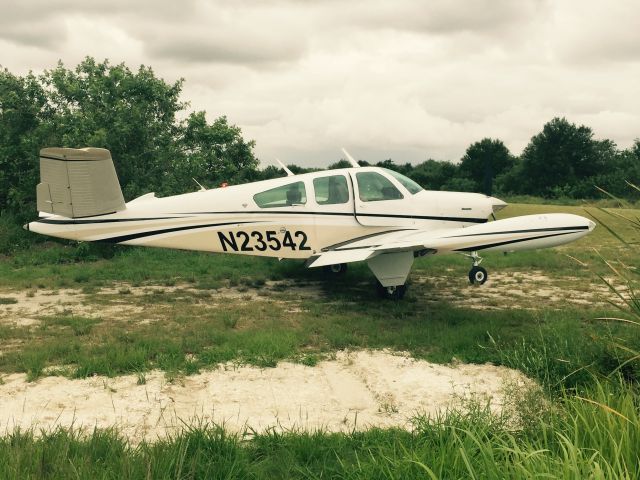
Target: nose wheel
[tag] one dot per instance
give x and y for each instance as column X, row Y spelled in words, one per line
column 477, row 274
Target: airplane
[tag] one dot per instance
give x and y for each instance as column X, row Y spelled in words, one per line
column 328, row 218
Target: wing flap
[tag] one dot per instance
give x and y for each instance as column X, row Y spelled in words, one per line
column 335, row 257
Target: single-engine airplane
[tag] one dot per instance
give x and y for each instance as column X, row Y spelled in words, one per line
column 328, row 218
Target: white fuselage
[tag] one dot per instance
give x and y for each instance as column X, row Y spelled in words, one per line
column 235, row 220
column 228, row 220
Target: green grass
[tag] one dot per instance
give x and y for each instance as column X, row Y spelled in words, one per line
column 547, row 345
column 184, row 336
column 583, row 423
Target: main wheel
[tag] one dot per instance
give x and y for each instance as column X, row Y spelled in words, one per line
column 477, row 275
column 337, row 269
column 395, row 292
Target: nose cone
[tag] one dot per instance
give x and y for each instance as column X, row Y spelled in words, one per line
column 496, row 204
column 592, row 225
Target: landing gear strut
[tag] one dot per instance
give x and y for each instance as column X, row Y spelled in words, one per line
column 395, row 292
column 477, row 274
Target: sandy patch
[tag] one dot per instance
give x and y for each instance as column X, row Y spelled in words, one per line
column 31, row 304
column 532, row 290
column 356, row 390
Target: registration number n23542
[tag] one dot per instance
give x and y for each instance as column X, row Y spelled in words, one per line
column 240, row 241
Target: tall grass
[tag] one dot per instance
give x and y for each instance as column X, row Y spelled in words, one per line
column 589, row 437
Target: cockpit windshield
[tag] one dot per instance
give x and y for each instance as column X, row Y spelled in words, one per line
column 406, row 182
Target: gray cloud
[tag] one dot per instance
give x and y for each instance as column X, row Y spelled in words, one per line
column 216, row 46
column 408, row 79
column 449, row 16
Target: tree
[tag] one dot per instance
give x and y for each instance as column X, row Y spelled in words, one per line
column 23, row 109
column 485, row 160
column 342, row 163
column 216, row 152
column 134, row 114
column 433, row 175
column 561, row 156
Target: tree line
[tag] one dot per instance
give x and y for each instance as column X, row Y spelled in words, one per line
column 157, row 145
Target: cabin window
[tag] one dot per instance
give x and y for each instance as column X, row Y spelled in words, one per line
column 406, row 182
column 331, row 190
column 284, row 196
column 373, row 187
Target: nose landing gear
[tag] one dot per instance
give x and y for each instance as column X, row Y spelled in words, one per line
column 477, row 274
column 395, row 292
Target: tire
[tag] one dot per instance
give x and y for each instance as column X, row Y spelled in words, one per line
column 338, row 269
column 477, row 275
column 391, row 293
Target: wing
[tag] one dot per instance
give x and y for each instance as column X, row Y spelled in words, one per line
column 511, row 234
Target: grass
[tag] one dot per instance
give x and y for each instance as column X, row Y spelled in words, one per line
column 167, row 314
column 190, row 337
column 589, row 438
column 174, row 328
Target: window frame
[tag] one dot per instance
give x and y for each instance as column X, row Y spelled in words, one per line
column 399, row 177
column 391, row 183
column 315, row 189
column 303, row 200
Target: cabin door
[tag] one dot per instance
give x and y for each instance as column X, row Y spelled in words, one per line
column 379, row 202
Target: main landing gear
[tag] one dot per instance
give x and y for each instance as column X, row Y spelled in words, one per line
column 477, row 274
column 338, row 269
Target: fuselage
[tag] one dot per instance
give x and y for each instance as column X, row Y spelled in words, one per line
column 289, row 217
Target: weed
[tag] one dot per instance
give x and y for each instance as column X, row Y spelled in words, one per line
column 230, row 319
column 8, row 300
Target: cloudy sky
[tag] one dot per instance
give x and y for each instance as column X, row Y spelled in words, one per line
column 405, row 79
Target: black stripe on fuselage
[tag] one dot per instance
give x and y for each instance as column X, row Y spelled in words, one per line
column 531, row 230
column 508, row 242
column 338, row 246
column 265, row 212
column 346, row 214
column 134, row 236
column 101, row 220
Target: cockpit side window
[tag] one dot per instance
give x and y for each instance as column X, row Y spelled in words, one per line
column 373, row 187
column 284, row 196
column 331, row 190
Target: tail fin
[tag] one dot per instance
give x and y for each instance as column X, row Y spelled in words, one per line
column 78, row 183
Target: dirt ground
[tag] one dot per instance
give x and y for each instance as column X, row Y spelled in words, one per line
column 531, row 290
column 355, row 390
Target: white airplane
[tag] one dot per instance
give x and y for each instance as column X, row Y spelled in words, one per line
column 328, row 218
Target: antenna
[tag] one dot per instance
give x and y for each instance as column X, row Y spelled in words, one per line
column 202, row 189
column 352, row 160
column 284, row 167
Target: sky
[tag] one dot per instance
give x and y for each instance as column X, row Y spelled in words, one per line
column 402, row 79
